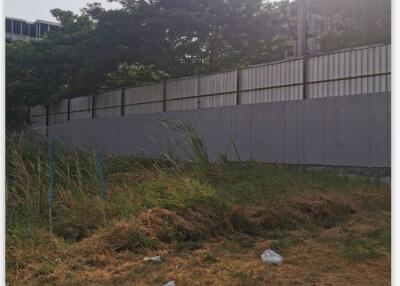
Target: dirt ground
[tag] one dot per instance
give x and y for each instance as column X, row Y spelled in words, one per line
column 353, row 252
column 309, row 259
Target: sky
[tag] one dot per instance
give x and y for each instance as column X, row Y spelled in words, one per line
column 32, row 10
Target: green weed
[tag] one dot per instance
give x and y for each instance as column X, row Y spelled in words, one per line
column 358, row 249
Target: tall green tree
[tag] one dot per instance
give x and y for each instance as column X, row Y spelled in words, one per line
column 355, row 22
column 152, row 40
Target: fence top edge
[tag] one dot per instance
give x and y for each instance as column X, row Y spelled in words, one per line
column 239, row 69
column 261, row 65
column 350, row 50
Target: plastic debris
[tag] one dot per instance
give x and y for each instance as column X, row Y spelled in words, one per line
column 270, row 256
column 152, row 258
column 170, row 283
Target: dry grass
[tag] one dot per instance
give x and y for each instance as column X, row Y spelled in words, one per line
column 313, row 252
column 209, row 221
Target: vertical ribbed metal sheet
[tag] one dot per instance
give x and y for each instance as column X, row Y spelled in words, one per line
column 388, row 68
column 358, row 71
column 225, row 83
column 58, row 112
column 177, row 90
column 144, row 99
column 339, row 70
column 38, row 116
column 81, row 108
column 266, row 79
column 108, row 104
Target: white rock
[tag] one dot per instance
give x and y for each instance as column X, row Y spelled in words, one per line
column 170, row 283
column 270, row 256
column 152, row 258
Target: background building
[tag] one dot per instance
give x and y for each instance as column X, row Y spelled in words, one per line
column 17, row 29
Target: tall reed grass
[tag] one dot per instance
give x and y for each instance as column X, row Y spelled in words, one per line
column 66, row 190
column 34, row 190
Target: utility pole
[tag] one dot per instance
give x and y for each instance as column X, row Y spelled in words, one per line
column 302, row 36
column 301, row 43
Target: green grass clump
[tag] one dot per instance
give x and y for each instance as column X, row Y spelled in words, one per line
column 150, row 204
column 357, row 249
column 133, row 185
column 368, row 246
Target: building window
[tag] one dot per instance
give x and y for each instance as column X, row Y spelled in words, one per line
column 8, row 25
column 32, row 30
column 43, row 29
column 25, row 29
column 17, row 27
column 53, row 28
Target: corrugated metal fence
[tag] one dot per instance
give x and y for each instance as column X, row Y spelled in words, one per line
column 350, row 72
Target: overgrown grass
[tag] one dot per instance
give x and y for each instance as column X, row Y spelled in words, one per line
column 133, row 185
column 150, row 203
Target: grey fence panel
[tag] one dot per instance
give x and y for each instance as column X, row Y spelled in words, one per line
column 340, row 71
column 268, row 132
column 388, row 68
column 313, row 148
column 219, row 140
column 212, row 138
column 365, row 70
column 108, row 104
column 379, row 67
column 226, row 132
column 177, row 90
column 292, row 136
column 241, row 136
column 144, row 99
column 333, row 113
column 358, row 71
column 355, row 131
column 275, row 133
column 58, row 112
column 38, row 116
column 389, row 128
column 81, row 107
column 225, row 83
column 380, row 130
column 272, row 82
column 334, row 131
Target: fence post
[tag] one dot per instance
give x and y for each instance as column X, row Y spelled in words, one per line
column 123, row 101
column 28, row 114
column 93, row 106
column 198, row 92
column 68, row 109
column 47, row 120
column 305, row 77
column 238, row 86
column 164, row 97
